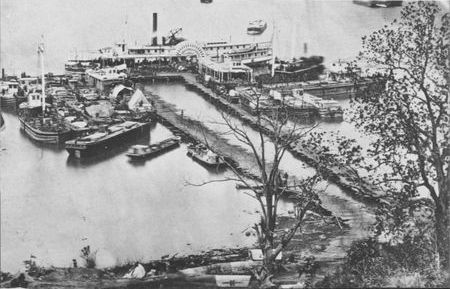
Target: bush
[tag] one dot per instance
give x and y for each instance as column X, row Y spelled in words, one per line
column 369, row 263
column 89, row 257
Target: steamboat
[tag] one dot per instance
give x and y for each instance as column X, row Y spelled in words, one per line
column 165, row 48
column 38, row 119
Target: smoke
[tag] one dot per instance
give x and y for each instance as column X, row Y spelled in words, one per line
column 105, row 259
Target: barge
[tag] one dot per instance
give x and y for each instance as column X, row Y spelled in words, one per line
column 102, row 141
column 45, row 130
column 141, row 152
column 379, row 3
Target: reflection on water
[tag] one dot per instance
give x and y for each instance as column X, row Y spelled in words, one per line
column 51, row 209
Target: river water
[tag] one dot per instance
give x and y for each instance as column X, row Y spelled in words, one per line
column 52, row 206
column 331, row 28
column 194, row 106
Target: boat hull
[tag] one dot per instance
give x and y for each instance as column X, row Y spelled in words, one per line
column 44, row 136
column 7, row 101
column 375, row 3
column 331, row 115
column 205, row 163
column 2, row 122
column 256, row 31
column 336, row 92
column 78, row 150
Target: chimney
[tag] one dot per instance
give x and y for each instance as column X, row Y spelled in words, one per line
column 3, row 73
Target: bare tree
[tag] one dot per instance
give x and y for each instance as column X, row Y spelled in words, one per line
column 272, row 184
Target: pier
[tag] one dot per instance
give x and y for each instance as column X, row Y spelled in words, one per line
column 194, row 132
column 341, row 175
column 156, row 77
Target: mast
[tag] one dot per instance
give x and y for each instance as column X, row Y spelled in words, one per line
column 273, row 51
column 294, row 39
column 309, row 10
column 41, row 54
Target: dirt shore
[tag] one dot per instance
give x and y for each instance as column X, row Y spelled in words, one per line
column 314, row 237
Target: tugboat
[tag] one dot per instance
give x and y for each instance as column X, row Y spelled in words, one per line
column 330, row 109
column 105, row 139
column 46, row 127
column 205, row 156
column 256, row 27
column 140, row 152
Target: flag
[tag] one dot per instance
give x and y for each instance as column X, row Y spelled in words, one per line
column 41, row 48
column 41, row 45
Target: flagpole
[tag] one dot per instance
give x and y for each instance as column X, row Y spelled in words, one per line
column 273, row 50
column 41, row 53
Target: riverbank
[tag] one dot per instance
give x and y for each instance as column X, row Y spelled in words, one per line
column 169, row 271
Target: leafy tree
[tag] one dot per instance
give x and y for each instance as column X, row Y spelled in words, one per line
column 406, row 113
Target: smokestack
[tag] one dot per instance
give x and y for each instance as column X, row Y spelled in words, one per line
column 3, row 74
column 155, row 29
column 155, row 22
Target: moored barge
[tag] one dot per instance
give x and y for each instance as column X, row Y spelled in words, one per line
column 45, row 130
column 102, row 141
column 140, row 152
